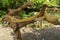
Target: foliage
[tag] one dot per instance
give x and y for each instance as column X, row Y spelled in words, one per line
column 2, row 13
column 4, row 4
column 24, row 15
column 11, row 3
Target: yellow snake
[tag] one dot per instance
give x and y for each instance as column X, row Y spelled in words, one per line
column 13, row 19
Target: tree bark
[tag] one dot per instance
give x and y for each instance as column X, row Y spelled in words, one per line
column 17, row 33
column 17, row 11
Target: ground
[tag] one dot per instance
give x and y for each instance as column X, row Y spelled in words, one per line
column 32, row 33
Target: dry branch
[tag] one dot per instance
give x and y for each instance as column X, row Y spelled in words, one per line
column 39, row 14
column 16, row 11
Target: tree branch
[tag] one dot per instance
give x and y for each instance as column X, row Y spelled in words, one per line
column 16, row 11
column 39, row 14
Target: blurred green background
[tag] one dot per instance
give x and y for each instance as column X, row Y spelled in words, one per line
column 37, row 4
